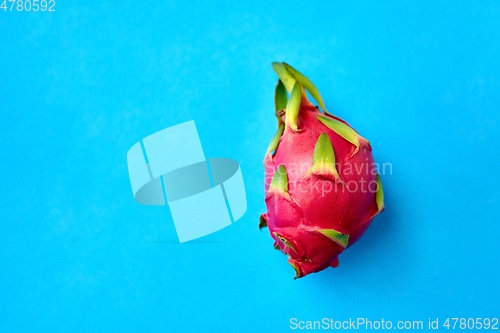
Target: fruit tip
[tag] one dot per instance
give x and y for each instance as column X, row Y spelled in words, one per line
column 307, row 85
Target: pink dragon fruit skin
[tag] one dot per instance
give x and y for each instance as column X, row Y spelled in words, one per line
column 322, row 186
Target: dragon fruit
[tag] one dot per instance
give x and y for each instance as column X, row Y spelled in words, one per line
column 321, row 182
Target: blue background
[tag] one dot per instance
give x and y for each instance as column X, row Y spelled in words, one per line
column 79, row 86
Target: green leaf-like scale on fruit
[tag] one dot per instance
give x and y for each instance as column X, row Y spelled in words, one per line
column 276, row 139
column 324, row 159
column 308, row 85
column 262, row 222
column 293, row 107
column 280, row 180
column 280, row 100
column 323, row 150
column 280, row 97
column 284, row 240
column 284, row 75
column 337, row 237
column 345, row 132
column 297, row 270
column 379, row 196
